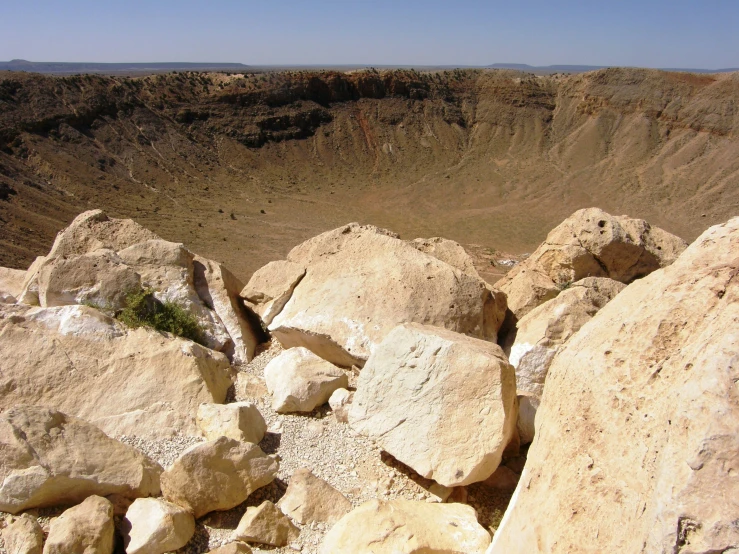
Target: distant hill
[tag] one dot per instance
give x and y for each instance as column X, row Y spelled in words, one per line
column 547, row 69
column 60, row 68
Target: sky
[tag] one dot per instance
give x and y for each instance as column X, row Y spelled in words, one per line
column 648, row 33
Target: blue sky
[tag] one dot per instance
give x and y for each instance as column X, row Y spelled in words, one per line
column 647, row 33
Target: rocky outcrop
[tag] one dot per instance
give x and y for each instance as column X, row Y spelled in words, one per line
column 48, row 458
column 73, row 357
column 359, row 283
column 310, row 499
column 84, row 529
column 155, row 526
column 407, row 527
column 589, row 243
column 440, row 402
column 24, row 536
column 240, row 421
column 636, row 448
column 217, row 475
column 298, row 380
column 265, row 524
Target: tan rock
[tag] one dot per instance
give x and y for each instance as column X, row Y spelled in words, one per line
column 339, row 402
column 156, row 526
column 526, row 424
column 590, row 243
column 362, row 281
column 407, row 527
column 48, row 458
column 240, row 421
column 11, row 284
column 265, row 524
column 236, row 547
column 298, row 380
column 503, row 478
column 83, row 529
column 440, row 402
column 72, row 357
column 29, row 290
column 637, row 447
column 217, row 475
column 310, row 499
column 271, row 286
column 447, row 251
column 24, row 536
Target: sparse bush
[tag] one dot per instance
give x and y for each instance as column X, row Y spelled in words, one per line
column 144, row 310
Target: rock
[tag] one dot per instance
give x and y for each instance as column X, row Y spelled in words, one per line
column 503, row 478
column 83, row 529
column 271, row 286
column 48, row 458
column 310, row 499
column 217, row 475
column 407, row 527
column 589, row 243
column 636, row 446
column 219, row 289
column 362, row 281
column 29, row 290
column 439, row 492
column 24, row 536
column 447, row 251
column 155, row 526
column 240, row 421
column 11, row 284
column 298, row 380
column 440, row 402
column 339, row 402
column 236, row 547
column 265, row 524
column 72, row 357
column 527, row 406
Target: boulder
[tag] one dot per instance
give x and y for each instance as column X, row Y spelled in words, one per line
column 29, row 290
column 440, row 402
column 240, row 421
column 155, row 526
column 11, row 284
column 271, row 286
column 589, row 243
column 24, row 536
column 87, row 528
column 407, row 527
column 72, row 357
column 447, row 251
column 361, row 281
column 339, row 402
column 298, row 380
column 236, row 547
column 310, row 499
column 265, row 524
column 217, row 475
column 48, row 458
column 636, row 446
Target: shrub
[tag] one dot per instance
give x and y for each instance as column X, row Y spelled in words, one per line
column 142, row 309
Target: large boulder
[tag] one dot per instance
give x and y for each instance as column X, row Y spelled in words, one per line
column 407, row 527
column 298, row 380
column 440, row 402
column 24, row 536
column 636, row 446
column 155, row 526
column 217, row 475
column 271, row 286
column 87, row 528
column 87, row 364
column 589, row 243
column 359, row 283
column 240, row 421
column 48, row 458
column 310, row 499
column 447, row 251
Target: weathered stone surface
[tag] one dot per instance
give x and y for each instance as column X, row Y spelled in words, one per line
column 217, row 475
column 636, row 446
column 440, row 402
column 447, row 251
column 265, row 524
column 407, row 527
column 235, row 547
column 310, row 499
column 29, row 290
column 298, row 380
column 526, row 425
column 240, row 421
column 23, row 536
column 72, row 357
column 87, row 528
column 48, row 458
column 362, row 281
column 155, row 526
column 11, row 284
column 271, row 286
column 589, row 243
column 339, row 402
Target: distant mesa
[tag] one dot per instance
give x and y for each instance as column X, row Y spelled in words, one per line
column 547, row 69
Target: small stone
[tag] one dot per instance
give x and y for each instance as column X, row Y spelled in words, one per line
column 236, row 547
column 240, row 421
column 265, row 524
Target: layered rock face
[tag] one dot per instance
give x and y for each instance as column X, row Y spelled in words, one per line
column 347, row 288
column 636, row 446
